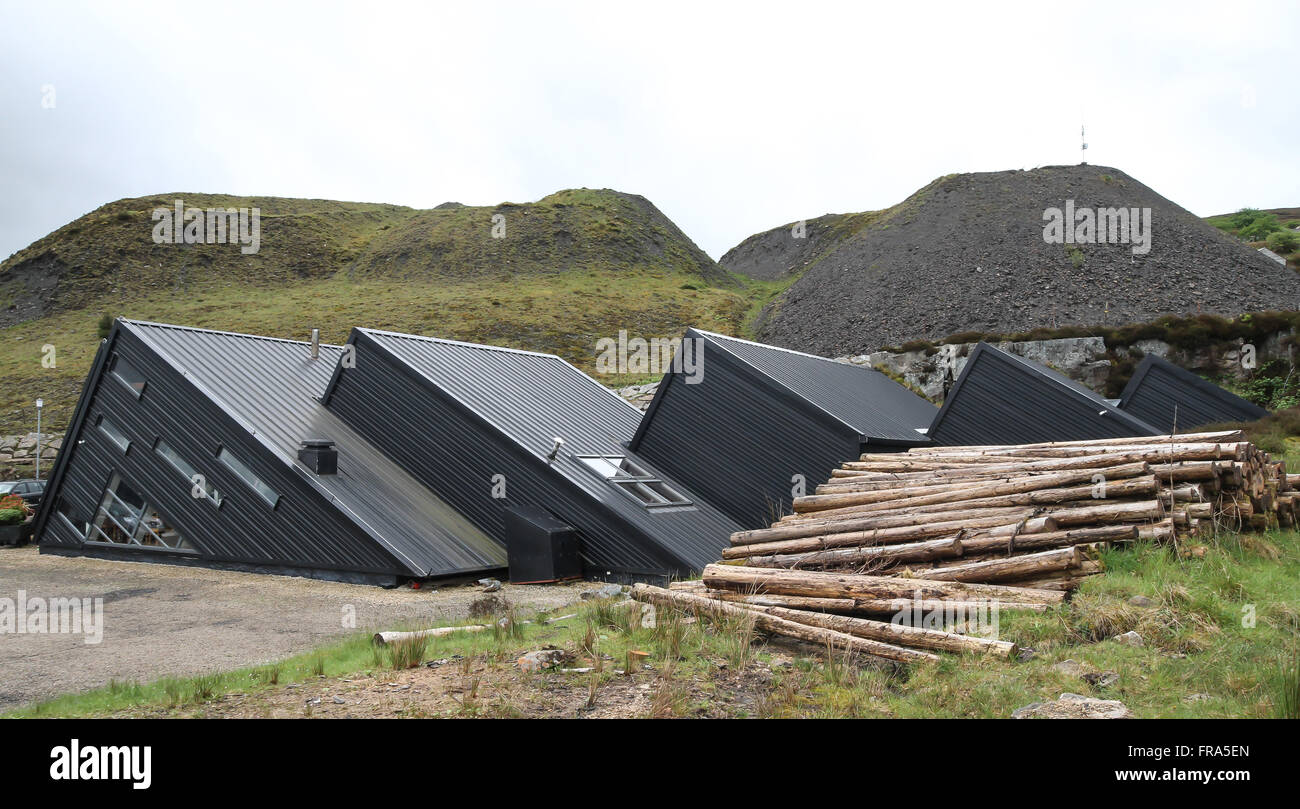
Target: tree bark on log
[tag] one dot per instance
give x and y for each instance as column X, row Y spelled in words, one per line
column 705, row 606
column 837, row 585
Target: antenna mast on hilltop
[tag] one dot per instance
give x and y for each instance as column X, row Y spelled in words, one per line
column 1083, row 146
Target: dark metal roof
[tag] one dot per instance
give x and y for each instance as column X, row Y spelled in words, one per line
column 863, row 399
column 272, row 388
column 1001, row 398
column 533, row 398
column 1159, row 390
column 528, row 396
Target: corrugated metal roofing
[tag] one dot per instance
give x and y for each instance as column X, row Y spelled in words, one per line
column 1001, row 398
column 529, row 396
column 272, row 387
column 863, row 398
column 1160, row 390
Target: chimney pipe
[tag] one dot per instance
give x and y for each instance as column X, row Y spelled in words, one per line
column 315, row 344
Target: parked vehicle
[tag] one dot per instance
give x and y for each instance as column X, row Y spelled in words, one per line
column 30, row 491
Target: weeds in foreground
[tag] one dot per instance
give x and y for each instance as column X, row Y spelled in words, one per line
column 407, row 652
column 1288, row 689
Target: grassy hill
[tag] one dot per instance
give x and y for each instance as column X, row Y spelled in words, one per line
column 572, row 268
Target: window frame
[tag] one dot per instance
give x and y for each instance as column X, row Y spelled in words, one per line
column 631, row 478
column 118, row 359
column 92, row 529
column 208, row 489
column 245, row 473
column 108, row 432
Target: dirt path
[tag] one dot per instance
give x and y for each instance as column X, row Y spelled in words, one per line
column 162, row 620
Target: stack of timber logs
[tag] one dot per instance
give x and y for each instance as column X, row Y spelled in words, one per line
column 955, row 530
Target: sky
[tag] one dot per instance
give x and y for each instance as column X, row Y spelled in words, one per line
column 732, row 118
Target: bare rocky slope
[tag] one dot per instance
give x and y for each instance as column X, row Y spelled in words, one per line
column 967, row 253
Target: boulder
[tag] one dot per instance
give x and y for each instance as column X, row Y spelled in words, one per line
column 1074, row 706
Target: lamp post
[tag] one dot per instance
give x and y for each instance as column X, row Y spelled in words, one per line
column 39, row 404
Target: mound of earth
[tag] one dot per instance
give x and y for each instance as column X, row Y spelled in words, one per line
column 111, row 252
column 968, row 253
column 578, row 229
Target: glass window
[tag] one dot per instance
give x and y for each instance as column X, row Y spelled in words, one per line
column 127, row 373
column 114, row 434
column 193, row 475
column 634, row 481
column 124, row 518
column 245, row 474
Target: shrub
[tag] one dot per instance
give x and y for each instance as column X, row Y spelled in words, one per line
column 1283, row 241
column 11, row 516
column 105, row 325
column 1259, row 229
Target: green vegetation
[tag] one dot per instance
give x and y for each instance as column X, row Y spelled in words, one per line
column 564, row 314
column 574, row 267
column 1221, row 636
column 1283, row 242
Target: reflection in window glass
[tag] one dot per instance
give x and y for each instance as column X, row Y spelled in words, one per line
column 127, row 373
column 245, row 474
column 114, row 434
column 124, row 518
column 191, row 474
column 635, row 481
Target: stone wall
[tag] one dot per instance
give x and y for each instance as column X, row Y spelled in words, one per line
column 18, row 454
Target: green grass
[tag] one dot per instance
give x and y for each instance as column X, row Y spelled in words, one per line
column 562, row 314
column 1202, row 656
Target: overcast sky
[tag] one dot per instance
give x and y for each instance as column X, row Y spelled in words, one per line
column 731, row 118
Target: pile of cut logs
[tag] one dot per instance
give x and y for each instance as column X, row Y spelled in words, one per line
column 950, row 530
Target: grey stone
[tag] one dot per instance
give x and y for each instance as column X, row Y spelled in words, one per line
column 1104, row 679
column 1074, row 706
column 1140, row 601
column 1070, row 668
column 1129, row 639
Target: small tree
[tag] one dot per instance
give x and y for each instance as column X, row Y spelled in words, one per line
column 1283, row 242
column 105, row 325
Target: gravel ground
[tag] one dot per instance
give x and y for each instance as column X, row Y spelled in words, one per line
column 164, row 620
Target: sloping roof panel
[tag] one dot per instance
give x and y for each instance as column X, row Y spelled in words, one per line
column 1160, row 391
column 863, row 398
column 1001, row 398
column 272, row 387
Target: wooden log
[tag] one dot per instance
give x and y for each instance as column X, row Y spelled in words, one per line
column 883, row 536
column 902, row 634
column 811, row 528
column 866, row 606
column 1154, row 453
column 827, row 638
column 1016, row 466
column 1162, row 531
column 1116, row 490
column 953, row 492
column 1184, row 471
column 945, row 548
column 1085, row 513
column 1216, row 437
column 1030, row 565
column 838, row 585
column 979, row 546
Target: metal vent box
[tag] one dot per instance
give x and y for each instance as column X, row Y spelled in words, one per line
column 540, row 547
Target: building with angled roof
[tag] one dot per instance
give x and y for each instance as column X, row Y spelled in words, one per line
column 187, row 446
column 754, row 424
column 1162, row 393
column 478, row 425
column 1000, row 398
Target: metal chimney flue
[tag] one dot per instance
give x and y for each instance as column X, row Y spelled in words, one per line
column 319, row 455
column 315, row 344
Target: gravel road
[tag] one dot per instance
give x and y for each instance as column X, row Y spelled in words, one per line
column 163, row 620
